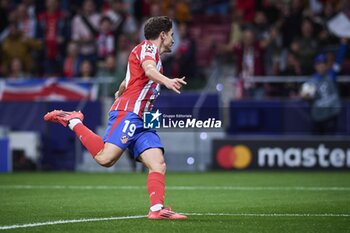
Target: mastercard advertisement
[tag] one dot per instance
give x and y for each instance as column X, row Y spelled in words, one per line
column 236, row 157
column 282, row 153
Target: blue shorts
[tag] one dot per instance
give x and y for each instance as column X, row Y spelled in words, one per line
column 125, row 130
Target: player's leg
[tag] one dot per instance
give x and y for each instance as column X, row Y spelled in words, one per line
column 105, row 154
column 150, row 151
column 153, row 159
column 109, row 155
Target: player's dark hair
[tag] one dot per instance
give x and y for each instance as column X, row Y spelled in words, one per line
column 155, row 25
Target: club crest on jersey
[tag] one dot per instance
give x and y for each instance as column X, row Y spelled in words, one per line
column 149, row 48
column 124, row 139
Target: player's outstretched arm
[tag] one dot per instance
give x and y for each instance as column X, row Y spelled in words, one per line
column 152, row 73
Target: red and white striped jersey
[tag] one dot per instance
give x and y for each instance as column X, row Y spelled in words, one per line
column 140, row 91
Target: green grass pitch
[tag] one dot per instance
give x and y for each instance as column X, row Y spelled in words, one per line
column 215, row 202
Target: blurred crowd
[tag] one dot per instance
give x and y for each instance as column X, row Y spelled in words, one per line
column 80, row 38
column 280, row 38
column 93, row 38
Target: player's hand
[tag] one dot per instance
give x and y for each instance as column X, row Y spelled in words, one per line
column 175, row 84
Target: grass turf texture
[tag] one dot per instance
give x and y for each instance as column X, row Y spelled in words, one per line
column 110, row 195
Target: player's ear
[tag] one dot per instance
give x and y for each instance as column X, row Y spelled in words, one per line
column 162, row 35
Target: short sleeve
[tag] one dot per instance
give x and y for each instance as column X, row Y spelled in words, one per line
column 148, row 52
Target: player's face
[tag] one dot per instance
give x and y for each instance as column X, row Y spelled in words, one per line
column 168, row 41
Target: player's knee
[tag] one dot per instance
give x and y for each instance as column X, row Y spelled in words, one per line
column 163, row 165
column 159, row 167
column 104, row 161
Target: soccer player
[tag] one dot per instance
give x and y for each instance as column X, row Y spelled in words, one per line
column 125, row 129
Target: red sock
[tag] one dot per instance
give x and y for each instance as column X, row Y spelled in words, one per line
column 92, row 142
column 156, row 187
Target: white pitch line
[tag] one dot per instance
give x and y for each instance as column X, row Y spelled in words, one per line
column 190, row 214
column 38, row 224
column 237, row 188
column 268, row 215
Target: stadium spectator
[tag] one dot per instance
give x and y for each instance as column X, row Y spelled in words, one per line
column 250, row 62
column 16, row 45
column 292, row 68
column 328, row 11
column 273, row 10
column 26, row 23
column 12, row 19
column 292, row 18
column 270, row 40
column 108, row 69
column 325, row 39
column 344, row 5
column 30, row 7
column 16, row 70
column 106, row 5
column 260, row 25
column 85, row 30
column 306, row 46
column 323, row 92
column 123, row 51
column 236, row 31
column 116, row 66
column 186, row 54
column 141, row 9
column 248, row 8
column 182, row 11
column 86, row 70
column 105, row 39
column 52, row 31
column 122, row 21
column 71, row 64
